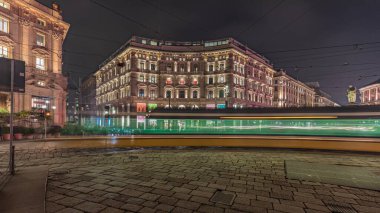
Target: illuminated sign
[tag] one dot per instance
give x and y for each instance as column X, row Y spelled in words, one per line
column 141, row 107
column 221, row 106
column 152, row 107
column 210, row 106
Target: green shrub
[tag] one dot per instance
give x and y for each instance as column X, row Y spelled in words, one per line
column 5, row 130
column 19, row 130
column 29, row 131
column 55, row 129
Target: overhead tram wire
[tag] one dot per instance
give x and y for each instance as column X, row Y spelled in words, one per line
column 93, row 38
column 146, row 27
column 290, row 23
column 326, row 56
column 319, row 48
column 176, row 16
column 126, row 17
column 260, row 18
column 63, row 50
column 316, row 54
column 328, row 66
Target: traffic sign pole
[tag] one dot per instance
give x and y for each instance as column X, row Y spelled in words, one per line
column 11, row 148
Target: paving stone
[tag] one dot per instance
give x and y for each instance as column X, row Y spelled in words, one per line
column 132, row 192
column 53, row 207
column 150, row 204
column 69, row 201
column 167, row 200
column 210, row 209
column 317, row 207
column 69, row 210
column 188, row 204
column 147, row 210
column 150, row 196
column 165, row 207
column 90, row 207
column 131, row 207
column 181, row 210
column 202, row 193
column 112, row 203
column 181, row 196
column 112, row 210
column 287, row 208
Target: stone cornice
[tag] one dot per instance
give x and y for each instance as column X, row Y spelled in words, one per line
column 6, row 39
column 64, row 26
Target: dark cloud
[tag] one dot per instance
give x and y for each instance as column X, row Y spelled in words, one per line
column 294, row 24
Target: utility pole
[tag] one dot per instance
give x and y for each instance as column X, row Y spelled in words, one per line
column 79, row 102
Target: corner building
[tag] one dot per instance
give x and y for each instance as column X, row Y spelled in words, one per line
column 146, row 73
column 34, row 33
column 370, row 93
column 289, row 92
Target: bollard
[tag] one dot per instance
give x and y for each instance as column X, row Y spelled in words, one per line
column 12, row 163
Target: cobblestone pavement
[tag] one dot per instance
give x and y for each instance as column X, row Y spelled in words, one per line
column 123, row 180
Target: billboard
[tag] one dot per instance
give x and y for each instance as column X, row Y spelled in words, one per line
column 19, row 75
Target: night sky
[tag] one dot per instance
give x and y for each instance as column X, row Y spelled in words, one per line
column 334, row 42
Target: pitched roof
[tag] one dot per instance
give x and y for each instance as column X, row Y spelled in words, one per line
column 375, row 82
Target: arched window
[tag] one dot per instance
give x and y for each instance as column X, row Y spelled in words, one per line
column 168, row 94
column 141, row 92
column 221, row 93
column 195, row 94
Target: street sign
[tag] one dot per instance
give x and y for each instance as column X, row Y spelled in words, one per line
column 5, row 75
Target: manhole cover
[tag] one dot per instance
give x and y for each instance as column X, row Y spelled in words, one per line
column 223, row 197
column 340, row 208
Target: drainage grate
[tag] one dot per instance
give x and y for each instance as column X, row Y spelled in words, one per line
column 340, row 208
column 223, row 197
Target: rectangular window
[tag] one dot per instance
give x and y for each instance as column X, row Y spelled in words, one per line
column 221, row 67
column 181, row 94
column 152, row 79
column 210, row 81
column 4, row 52
column 152, row 67
column 221, row 79
column 4, row 25
column 153, row 94
column 142, row 78
column 41, row 22
column 210, row 68
column 4, row 4
column 40, row 39
column 40, row 63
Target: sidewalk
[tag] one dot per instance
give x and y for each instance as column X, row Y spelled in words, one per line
column 25, row 191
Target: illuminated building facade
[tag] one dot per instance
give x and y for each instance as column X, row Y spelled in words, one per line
column 322, row 99
column 289, row 92
column 370, row 94
column 34, row 33
column 146, row 73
